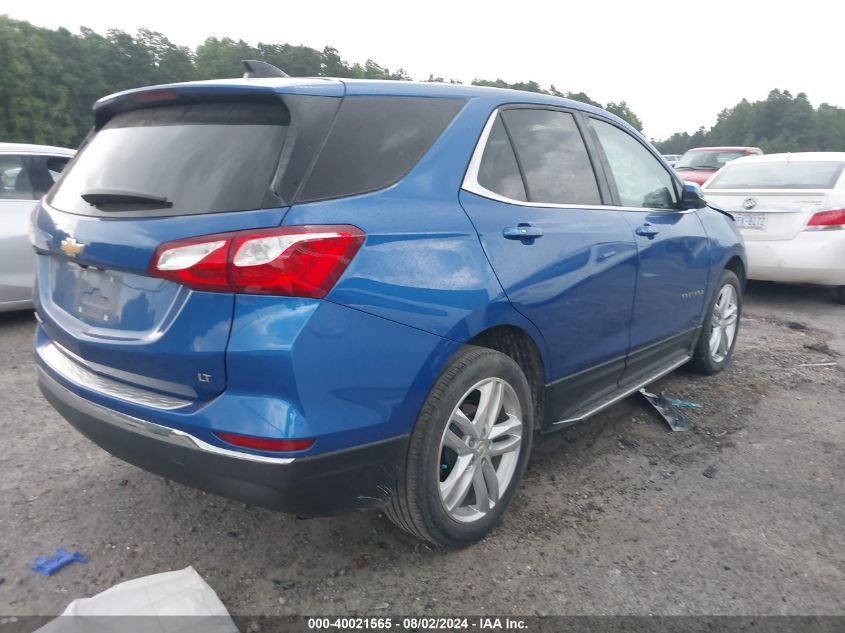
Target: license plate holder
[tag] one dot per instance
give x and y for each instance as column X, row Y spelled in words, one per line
column 752, row 221
column 97, row 296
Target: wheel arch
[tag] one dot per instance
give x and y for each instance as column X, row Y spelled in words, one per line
column 516, row 343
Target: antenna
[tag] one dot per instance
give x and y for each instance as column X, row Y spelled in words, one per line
column 256, row 69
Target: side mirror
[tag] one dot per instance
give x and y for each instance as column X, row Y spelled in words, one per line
column 692, row 197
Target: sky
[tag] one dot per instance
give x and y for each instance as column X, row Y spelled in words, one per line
column 677, row 64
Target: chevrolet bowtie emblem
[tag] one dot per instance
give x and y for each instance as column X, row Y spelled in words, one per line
column 71, row 247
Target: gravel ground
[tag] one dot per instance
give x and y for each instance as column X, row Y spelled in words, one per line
column 615, row 515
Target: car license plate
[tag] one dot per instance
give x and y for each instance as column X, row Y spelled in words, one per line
column 755, row 221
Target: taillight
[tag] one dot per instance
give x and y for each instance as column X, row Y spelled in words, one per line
column 264, row 443
column 828, row 219
column 295, row 261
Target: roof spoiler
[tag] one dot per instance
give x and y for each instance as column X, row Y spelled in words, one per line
column 256, row 69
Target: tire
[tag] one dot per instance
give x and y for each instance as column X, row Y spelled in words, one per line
column 839, row 294
column 435, row 472
column 705, row 359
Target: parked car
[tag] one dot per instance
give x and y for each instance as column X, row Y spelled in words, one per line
column 26, row 173
column 671, row 159
column 698, row 164
column 322, row 295
column 790, row 209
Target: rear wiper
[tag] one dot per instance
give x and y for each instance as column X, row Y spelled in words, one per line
column 99, row 197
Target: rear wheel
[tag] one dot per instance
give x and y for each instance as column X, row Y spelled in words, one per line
column 718, row 335
column 468, row 450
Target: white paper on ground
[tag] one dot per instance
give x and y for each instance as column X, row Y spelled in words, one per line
column 171, row 602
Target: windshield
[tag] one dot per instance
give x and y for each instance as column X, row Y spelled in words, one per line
column 707, row 159
column 781, row 175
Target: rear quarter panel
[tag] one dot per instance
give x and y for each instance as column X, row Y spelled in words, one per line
column 422, row 264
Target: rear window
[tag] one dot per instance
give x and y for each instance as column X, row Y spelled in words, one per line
column 707, row 159
column 780, row 175
column 192, row 158
column 374, row 142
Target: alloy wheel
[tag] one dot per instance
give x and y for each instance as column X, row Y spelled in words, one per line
column 479, row 450
column 723, row 323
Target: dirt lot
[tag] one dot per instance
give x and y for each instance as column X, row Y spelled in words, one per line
column 615, row 515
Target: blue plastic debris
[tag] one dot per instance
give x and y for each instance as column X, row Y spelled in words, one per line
column 684, row 404
column 62, row 558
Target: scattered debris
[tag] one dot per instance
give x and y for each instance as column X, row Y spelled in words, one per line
column 710, row 472
column 381, row 605
column 284, row 585
column 794, row 325
column 818, row 364
column 820, row 346
column 676, row 420
column 2, row 580
column 174, row 593
column 232, row 534
column 626, row 442
column 362, row 562
column 62, row 558
column 683, row 404
column 122, row 483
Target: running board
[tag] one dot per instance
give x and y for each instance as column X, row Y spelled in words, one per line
column 620, row 395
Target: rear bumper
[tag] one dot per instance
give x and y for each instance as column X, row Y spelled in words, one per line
column 812, row 257
column 322, row 485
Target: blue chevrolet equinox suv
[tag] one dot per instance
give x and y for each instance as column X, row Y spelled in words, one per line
column 323, row 295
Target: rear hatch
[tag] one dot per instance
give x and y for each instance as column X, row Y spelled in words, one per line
column 164, row 165
column 774, row 200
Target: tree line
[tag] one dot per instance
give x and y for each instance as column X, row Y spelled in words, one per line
column 780, row 123
column 50, row 78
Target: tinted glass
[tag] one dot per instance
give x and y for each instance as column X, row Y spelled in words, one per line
column 640, row 178
column 553, row 157
column 56, row 165
column 784, row 175
column 374, row 142
column 498, row 171
column 15, row 182
column 203, row 158
column 707, row 159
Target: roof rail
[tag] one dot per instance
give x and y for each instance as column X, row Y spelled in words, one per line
column 256, row 69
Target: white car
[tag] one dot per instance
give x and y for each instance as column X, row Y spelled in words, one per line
column 790, row 210
column 26, row 173
column 671, row 159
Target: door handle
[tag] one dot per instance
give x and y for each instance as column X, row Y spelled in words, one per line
column 647, row 230
column 522, row 232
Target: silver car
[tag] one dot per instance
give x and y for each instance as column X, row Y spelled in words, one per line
column 26, row 173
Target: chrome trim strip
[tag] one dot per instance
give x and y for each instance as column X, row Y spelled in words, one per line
column 64, row 364
column 140, row 382
column 151, row 430
column 624, row 394
column 471, row 184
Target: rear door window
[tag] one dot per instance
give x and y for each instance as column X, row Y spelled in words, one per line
column 553, row 157
column 192, row 158
column 56, row 165
column 374, row 142
column 498, row 171
column 641, row 179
